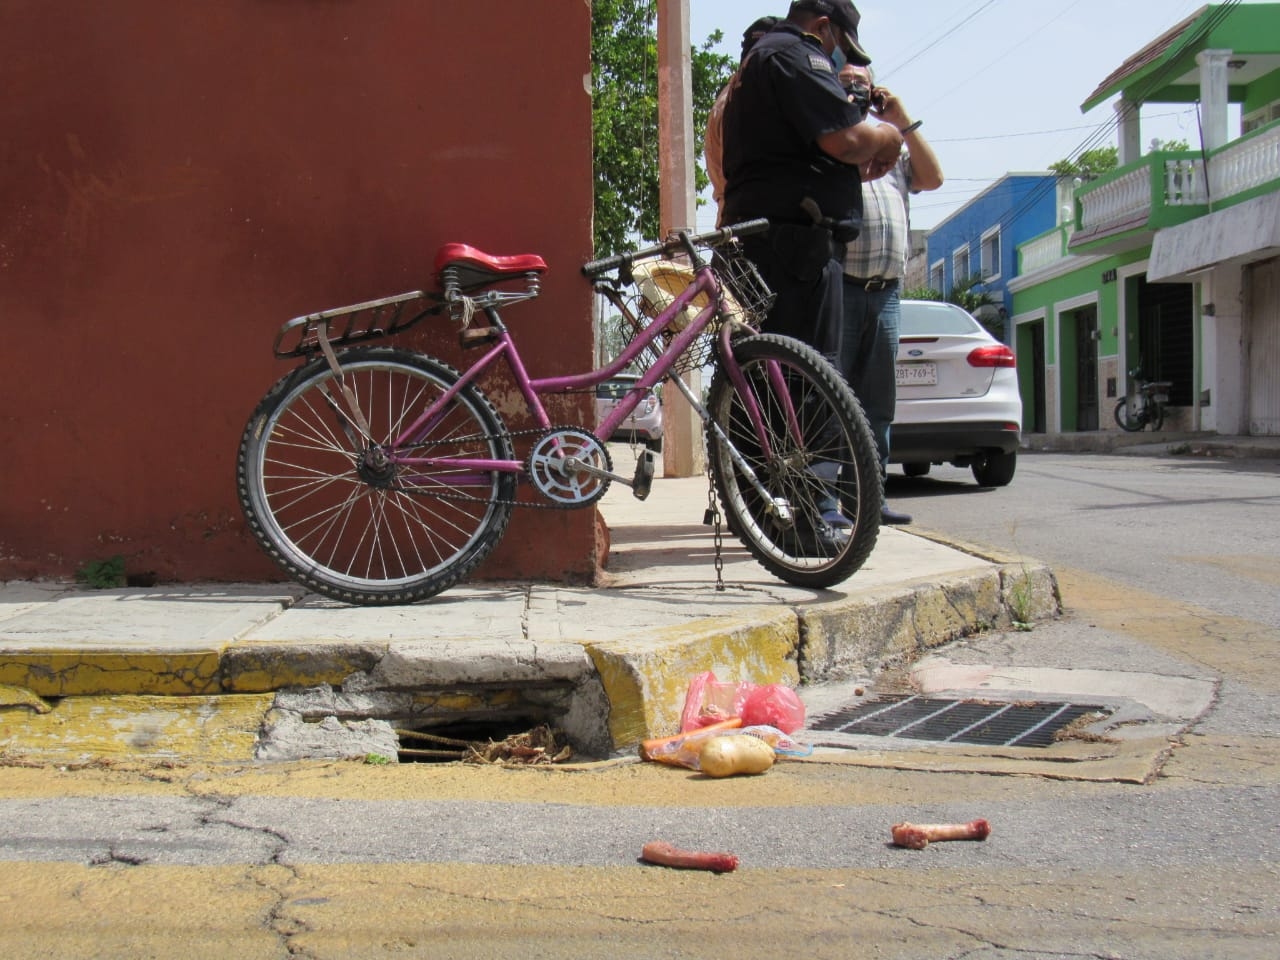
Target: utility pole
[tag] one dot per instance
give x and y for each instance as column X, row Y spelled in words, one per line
column 684, row 453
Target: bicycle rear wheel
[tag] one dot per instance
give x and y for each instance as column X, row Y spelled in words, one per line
column 352, row 517
column 820, row 452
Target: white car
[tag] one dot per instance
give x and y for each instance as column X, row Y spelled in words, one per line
column 645, row 423
column 958, row 399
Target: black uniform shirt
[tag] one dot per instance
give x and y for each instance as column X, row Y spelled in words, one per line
column 785, row 96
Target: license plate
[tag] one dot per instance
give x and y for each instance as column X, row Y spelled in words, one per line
column 917, row 374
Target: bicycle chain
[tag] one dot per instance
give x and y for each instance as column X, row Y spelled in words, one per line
column 508, row 435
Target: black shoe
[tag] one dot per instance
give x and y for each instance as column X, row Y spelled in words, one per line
column 893, row 516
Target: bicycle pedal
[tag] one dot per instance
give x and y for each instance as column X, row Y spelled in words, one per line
column 643, row 482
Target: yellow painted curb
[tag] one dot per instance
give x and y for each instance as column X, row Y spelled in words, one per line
column 80, row 729
column 646, row 680
column 87, row 673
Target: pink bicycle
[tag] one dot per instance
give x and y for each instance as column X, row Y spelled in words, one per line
column 381, row 475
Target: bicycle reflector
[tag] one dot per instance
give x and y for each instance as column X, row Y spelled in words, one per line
column 996, row 355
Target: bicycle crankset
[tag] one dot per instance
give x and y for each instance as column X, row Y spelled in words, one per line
column 570, row 466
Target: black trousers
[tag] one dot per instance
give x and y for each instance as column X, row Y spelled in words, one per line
column 804, row 267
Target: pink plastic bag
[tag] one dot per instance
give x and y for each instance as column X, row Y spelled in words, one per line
column 773, row 705
column 710, row 701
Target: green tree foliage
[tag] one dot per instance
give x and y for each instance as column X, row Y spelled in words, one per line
column 624, row 79
column 1090, row 164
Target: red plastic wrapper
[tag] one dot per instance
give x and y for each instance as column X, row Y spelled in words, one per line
column 711, row 701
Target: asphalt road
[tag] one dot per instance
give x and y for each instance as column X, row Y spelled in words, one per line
column 1204, row 530
column 1165, row 567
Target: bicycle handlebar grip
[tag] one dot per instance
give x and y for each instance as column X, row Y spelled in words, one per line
column 595, row 267
column 749, row 228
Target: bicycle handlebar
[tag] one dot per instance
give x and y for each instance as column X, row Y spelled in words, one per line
column 681, row 241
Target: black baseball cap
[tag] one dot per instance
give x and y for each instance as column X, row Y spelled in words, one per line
column 845, row 16
column 756, row 31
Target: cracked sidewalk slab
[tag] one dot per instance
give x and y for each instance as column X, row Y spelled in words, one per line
column 617, row 659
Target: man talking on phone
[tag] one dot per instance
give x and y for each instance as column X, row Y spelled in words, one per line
column 794, row 146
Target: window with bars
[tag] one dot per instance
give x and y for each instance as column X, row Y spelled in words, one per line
column 991, row 254
column 960, row 271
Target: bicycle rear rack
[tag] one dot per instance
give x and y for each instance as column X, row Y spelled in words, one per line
column 300, row 337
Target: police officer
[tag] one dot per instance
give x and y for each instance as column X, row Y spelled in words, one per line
column 793, row 147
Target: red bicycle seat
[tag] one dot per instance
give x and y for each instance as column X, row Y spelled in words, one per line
column 477, row 261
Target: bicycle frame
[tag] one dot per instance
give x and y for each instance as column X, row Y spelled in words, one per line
column 534, row 389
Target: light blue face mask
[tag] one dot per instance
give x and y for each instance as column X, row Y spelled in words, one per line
column 839, row 59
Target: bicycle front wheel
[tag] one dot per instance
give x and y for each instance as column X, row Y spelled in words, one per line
column 817, row 462
column 1129, row 415
column 351, row 515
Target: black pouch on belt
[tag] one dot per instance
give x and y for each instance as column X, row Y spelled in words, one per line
column 802, row 251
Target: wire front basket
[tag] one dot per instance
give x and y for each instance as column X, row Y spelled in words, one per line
column 746, row 300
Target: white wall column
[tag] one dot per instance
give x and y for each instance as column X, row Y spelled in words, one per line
column 683, row 453
column 1213, row 96
column 1129, row 131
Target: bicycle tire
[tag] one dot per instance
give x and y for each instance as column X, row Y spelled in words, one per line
column 1127, row 419
column 348, row 533
column 1156, row 419
column 833, row 429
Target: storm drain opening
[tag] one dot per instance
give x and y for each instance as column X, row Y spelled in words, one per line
column 983, row 722
column 479, row 742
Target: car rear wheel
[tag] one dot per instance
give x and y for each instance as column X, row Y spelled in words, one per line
column 654, row 445
column 995, row 469
column 915, row 469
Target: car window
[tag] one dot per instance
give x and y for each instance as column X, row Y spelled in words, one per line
column 926, row 317
column 614, row 389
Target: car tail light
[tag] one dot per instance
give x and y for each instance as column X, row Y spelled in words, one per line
column 996, row 355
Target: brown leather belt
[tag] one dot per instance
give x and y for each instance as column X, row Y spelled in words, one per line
column 871, row 284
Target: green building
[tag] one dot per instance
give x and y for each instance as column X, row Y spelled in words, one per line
column 1170, row 264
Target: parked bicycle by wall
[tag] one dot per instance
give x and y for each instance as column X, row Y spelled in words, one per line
column 379, row 475
column 1144, row 404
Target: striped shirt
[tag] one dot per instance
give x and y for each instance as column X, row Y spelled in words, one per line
column 880, row 250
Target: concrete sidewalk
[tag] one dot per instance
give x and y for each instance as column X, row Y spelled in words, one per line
column 1161, row 443
column 265, row 671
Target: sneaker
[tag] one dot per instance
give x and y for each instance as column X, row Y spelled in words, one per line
column 836, row 520
column 814, row 540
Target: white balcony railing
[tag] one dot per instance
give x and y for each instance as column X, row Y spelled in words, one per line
column 1041, row 252
column 1119, row 201
column 1245, row 164
column 1184, row 183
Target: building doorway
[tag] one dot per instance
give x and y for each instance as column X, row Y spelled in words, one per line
column 1085, row 323
column 1031, row 375
column 1166, row 346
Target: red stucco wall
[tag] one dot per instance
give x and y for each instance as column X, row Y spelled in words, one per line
column 177, row 179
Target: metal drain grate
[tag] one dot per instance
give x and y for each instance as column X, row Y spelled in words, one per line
column 1023, row 724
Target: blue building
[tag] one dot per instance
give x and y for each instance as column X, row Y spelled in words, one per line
column 980, row 240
